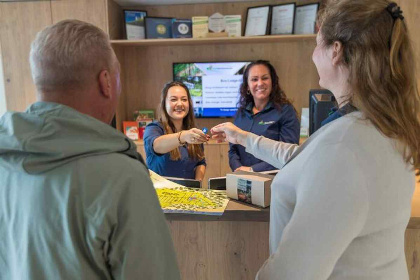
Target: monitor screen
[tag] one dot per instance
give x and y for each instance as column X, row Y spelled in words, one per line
column 214, row 86
column 320, row 103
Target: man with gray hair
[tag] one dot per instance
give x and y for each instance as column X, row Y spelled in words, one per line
column 76, row 200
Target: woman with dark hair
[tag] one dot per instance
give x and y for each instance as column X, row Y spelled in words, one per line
column 263, row 110
column 173, row 145
column 342, row 201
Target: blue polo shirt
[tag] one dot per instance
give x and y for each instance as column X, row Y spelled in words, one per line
column 336, row 113
column 162, row 163
column 280, row 124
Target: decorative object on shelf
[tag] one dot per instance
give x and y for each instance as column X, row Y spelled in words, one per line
column 143, row 114
column 134, row 24
column 131, row 130
column 181, row 28
column 142, row 123
column 216, row 23
column 158, row 27
column 305, row 18
column 233, row 25
column 200, row 27
column 282, row 19
column 257, row 19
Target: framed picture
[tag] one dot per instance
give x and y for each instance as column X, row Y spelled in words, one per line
column 257, row 20
column 134, row 24
column 305, row 18
column 282, row 19
column 158, row 27
column 181, row 28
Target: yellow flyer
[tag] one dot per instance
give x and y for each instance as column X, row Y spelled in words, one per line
column 175, row 198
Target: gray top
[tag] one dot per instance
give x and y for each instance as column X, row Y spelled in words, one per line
column 76, row 202
column 340, row 208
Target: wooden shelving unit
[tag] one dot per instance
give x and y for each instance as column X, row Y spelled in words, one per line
column 214, row 40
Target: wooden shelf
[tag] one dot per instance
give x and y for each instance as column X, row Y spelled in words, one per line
column 207, row 41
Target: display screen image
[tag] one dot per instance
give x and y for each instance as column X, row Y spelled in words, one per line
column 214, row 86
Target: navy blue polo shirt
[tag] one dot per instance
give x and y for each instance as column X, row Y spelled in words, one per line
column 280, row 124
column 162, row 164
column 336, row 113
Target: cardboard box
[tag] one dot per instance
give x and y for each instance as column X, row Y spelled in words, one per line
column 249, row 187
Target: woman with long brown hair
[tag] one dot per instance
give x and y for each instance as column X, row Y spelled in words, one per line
column 264, row 109
column 342, row 201
column 173, row 144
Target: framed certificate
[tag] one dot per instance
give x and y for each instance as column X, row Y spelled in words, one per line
column 282, row 19
column 305, row 18
column 158, row 27
column 134, row 24
column 257, row 19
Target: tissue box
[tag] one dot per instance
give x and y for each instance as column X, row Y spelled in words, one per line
column 249, row 187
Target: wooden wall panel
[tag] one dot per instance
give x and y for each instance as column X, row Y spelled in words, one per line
column 149, row 68
column 411, row 12
column 212, row 154
column 210, row 250
column 412, row 253
column 92, row 11
column 115, row 20
column 2, row 88
column 19, row 24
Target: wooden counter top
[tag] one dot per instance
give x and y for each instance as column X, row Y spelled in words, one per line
column 237, row 211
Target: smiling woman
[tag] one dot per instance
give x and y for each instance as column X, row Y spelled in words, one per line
column 173, row 145
column 264, row 110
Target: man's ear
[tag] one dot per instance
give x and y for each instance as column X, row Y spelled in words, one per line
column 338, row 53
column 105, row 83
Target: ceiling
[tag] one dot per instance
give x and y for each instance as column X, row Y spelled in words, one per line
column 171, row 2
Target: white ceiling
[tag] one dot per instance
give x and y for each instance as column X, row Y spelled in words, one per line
column 126, row 3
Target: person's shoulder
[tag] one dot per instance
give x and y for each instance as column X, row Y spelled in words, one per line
column 352, row 129
column 155, row 124
column 286, row 108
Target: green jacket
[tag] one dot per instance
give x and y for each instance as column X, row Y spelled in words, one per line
column 76, row 201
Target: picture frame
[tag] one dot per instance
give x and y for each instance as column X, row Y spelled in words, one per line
column 257, row 20
column 305, row 18
column 158, row 27
column 282, row 19
column 134, row 28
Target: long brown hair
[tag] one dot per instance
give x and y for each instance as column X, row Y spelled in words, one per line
column 277, row 95
column 379, row 55
column 194, row 151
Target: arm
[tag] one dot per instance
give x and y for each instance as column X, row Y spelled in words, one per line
column 330, row 211
column 262, row 166
column 234, row 158
column 289, row 127
column 200, row 170
column 166, row 143
column 271, row 151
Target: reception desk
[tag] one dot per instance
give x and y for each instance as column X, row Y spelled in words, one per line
column 235, row 245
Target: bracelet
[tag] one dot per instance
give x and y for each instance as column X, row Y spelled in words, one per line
column 179, row 139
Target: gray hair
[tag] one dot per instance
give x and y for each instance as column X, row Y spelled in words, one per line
column 68, row 55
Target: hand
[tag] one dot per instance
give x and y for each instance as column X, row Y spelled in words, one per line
column 194, row 136
column 244, row 168
column 229, row 132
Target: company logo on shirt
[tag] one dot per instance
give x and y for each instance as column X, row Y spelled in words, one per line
column 265, row 123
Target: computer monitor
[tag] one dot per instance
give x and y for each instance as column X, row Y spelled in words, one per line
column 321, row 101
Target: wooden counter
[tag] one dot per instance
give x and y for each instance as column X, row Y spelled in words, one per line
column 235, row 245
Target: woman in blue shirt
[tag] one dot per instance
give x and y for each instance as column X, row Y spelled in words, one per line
column 173, row 145
column 264, row 110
